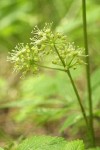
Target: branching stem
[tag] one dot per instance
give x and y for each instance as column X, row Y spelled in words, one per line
column 74, row 87
column 49, row 67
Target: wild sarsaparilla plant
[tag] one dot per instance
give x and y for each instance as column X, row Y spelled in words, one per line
column 65, row 56
column 44, row 42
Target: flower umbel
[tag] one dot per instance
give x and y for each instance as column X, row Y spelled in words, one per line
column 46, row 42
column 24, row 58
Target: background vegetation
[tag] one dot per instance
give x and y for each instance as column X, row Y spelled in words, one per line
column 46, row 104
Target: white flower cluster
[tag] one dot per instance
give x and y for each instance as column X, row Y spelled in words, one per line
column 46, row 42
column 23, row 58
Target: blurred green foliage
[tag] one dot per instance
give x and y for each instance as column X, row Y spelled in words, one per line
column 49, row 96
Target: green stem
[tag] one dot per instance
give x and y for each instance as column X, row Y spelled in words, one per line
column 49, row 67
column 74, row 87
column 59, row 56
column 88, row 73
column 78, row 98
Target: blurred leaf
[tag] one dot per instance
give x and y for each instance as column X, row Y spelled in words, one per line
column 48, row 86
column 97, row 148
column 71, row 120
column 73, row 23
column 95, row 79
column 50, row 98
column 97, row 112
column 21, row 103
column 95, row 83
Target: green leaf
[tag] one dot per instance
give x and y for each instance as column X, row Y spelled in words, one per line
column 75, row 145
column 50, row 143
column 72, row 119
column 42, row 143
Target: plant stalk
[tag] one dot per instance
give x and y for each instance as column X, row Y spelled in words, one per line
column 78, row 98
column 42, row 66
column 88, row 73
column 74, row 87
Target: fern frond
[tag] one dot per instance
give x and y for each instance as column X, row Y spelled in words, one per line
column 50, row 143
column 75, row 145
column 42, row 143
